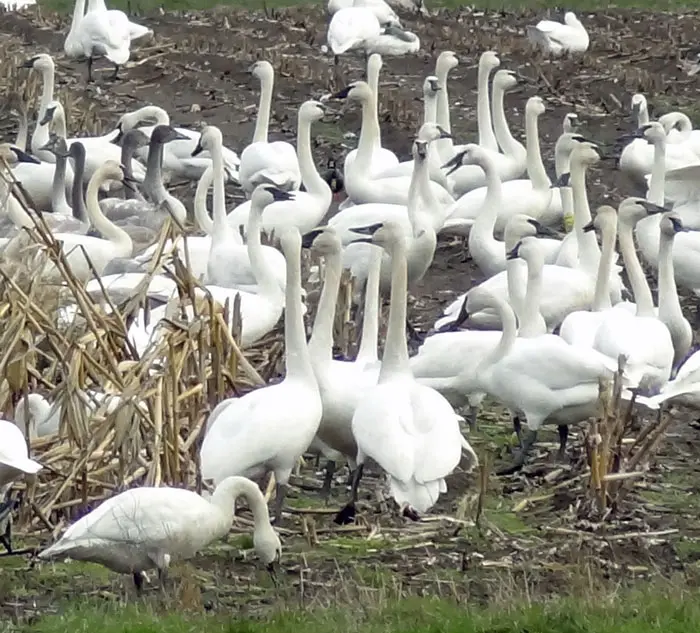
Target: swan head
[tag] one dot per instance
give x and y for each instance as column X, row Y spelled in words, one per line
column 585, row 153
column 446, row 61
column 605, row 217
column 374, row 63
column 268, row 547
column 432, row 132
column 570, row 19
column 472, row 154
column 42, row 63
column 431, row 86
column 54, row 108
column 528, row 249
column 262, row 70
column 12, row 155
column 209, row 138
column 147, row 114
column 534, row 106
column 675, row 120
column 389, row 235
column 322, row 241
column 571, row 122
column 265, row 194
column 522, row 225
column 489, row 60
column 111, row 170
column 671, row 224
column 505, row 79
column 77, row 152
column 652, row 132
column 632, row 210
column 639, row 103
column 563, row 181
column 311, row 111
column 133, row 139
column 56, row 145
column 356, row 91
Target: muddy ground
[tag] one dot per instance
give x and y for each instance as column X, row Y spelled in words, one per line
column 536, row 536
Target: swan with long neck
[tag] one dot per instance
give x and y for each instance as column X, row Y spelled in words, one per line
column 361, row 188
column 512, row 163
column 640, row 336
column 304, row 209
column 531, row 195
column 279, row 421
column 228, row 264
column 263, row 161
column 410, row 430
column 147, row 528
column 446, row 61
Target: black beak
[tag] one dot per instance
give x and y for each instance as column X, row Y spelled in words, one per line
column 28, row 63
column 120, row 135
column 370, row 229
column 342, row 94
column 443, row 133
column 199, row 149
column 23, row 157
column 279, row 195
column 562, row 181
column 129, row 182
column 652, row 208
column 422, row 149
column 462, row 317
column 180, row 137
column 589, row 227
column 542, row 230
column 454, row 163
column 307, row 239
column 514, row 253
column 48, row 116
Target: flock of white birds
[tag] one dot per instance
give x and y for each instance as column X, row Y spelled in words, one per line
column 399, row 411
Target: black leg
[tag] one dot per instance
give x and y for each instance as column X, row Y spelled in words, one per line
column 89, row 65
column 6, row 508
column 472, row 419
column 280, row 493
column 563, row 437
column 116, row 72
column 347, row 514
column 328, row 480
column 529, row 439
column 518, row 428
column 410, row 513
column 138, row 582
column 414, row 335
column 162, row 578
column 6, row 538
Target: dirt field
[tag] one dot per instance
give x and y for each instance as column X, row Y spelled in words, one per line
column 535, row 537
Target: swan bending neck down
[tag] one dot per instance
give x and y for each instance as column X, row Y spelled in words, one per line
column 146, row 528
column 410, row 430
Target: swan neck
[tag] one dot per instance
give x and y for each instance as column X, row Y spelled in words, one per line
column 219, row 200
column 531, row 324
column 127, row 155
column 669, row 304
column 22, row 131
column 370, row 318
column 77, row 198
column 153, row 180
column 201, row 214
column 321, row 342
column 59, row 204
column 500, row 123
column 487, row 139
column 99, row 221
column 658, row 173
column 369, row 133
column 262, row 123
column 535, row 169
column 601, row 297
column 507, row 340
column 395, row 359
column 430, row 109
column 588, row 249
column 443, row 103
column 313, row 182
column 262, row 272
column 225, row 496
column 635, row 274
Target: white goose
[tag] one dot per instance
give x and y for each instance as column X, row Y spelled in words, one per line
column 263, row 161
column 555, row 38
column 418, row 442
column 270, row 428
column 530, row 196
column 361, row 188
column 148, row 528
column 303, row 209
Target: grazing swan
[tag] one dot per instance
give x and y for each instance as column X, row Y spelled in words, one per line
column 270, row 428
column 146, row 528
column 531, row 195
column 178, row 161
column 228, row 264
column 262, row 161
column 359, row 184
column 640, row 336
column 410, row 430
column 302, row 209
column 555, row 38
column 97, row 33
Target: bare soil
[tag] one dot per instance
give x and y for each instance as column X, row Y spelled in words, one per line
column 534, row 537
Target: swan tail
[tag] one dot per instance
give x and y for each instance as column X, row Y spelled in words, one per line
column 536, row 37
column 136, row 31
column 419, row 496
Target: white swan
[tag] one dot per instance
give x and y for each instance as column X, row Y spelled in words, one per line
column 146, row 528
column 360, row 186
column 370, row 132
column 419, row 441
column 640, row 336
column 228, row 263
column 530, row 196
column 342, row 384
column 136, row 31
column 350, row 27
column 14, row 456
column 303, row 209
column 270, row 428
column 178, row 161
column 555, row 38
column 264, row 161
column 98, row 33
column 679, row 129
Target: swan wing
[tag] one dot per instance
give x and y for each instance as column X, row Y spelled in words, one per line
column 350, row 27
